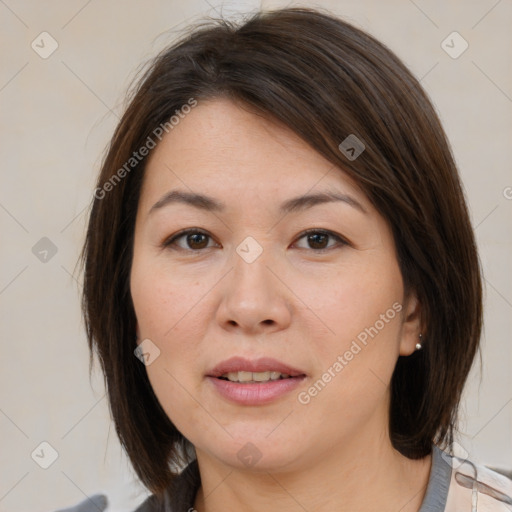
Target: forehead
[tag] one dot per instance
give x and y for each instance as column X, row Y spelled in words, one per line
column 226, row 150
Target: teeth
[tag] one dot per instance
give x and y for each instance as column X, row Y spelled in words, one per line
column 260, row 377
column 254, row 376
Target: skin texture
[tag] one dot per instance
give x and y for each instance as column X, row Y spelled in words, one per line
column 201, row 303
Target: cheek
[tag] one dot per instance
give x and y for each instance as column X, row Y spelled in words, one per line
column 361, row 313
column 353, row 299
column 168, row 309
column 162, row 298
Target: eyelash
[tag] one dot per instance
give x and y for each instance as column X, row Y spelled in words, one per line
column 169, row 242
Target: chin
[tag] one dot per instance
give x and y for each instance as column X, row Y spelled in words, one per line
column 258, row 452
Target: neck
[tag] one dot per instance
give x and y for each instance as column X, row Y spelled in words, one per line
column 363, row 475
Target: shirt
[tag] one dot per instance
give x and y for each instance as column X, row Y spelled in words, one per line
column 454, row 485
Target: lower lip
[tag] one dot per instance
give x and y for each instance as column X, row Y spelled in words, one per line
column 255, row 394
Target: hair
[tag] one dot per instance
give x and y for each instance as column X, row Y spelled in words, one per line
column 325, row 80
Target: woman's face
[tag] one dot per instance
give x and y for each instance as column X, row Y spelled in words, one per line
column 328, row 307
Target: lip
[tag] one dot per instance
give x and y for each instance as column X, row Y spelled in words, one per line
column 254, row 393
column 263, row 364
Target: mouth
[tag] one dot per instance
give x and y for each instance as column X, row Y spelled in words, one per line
column 254, row 382
column 256, row 377
column 240, row 369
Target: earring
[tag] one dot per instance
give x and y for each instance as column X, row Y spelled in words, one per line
column 419, row 345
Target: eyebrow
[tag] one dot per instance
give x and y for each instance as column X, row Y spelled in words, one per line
column 292, row 205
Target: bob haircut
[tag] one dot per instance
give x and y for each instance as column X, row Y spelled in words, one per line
column 325, row 80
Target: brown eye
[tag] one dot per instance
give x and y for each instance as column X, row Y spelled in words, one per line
column 194, row 240
column 318, row 240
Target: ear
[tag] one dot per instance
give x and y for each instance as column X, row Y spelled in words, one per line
column 411, row 328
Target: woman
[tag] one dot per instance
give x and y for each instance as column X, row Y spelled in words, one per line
column 281, row 279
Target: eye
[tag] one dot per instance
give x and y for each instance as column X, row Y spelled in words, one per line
column 318, row 239
column 195, row 240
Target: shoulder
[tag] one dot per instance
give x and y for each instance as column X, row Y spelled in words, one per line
column 179, row 497
column 474, row 487
column 99, row 503
column 95, row 503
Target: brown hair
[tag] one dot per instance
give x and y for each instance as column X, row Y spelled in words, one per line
column 325, row 80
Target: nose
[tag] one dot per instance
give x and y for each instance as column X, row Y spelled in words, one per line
column 254, row 299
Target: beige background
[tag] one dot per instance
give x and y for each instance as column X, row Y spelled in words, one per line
column 57, row 116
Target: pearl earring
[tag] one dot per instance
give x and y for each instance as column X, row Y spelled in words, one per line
column 419, row 345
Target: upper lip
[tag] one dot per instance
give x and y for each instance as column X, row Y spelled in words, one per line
column 263, row 364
